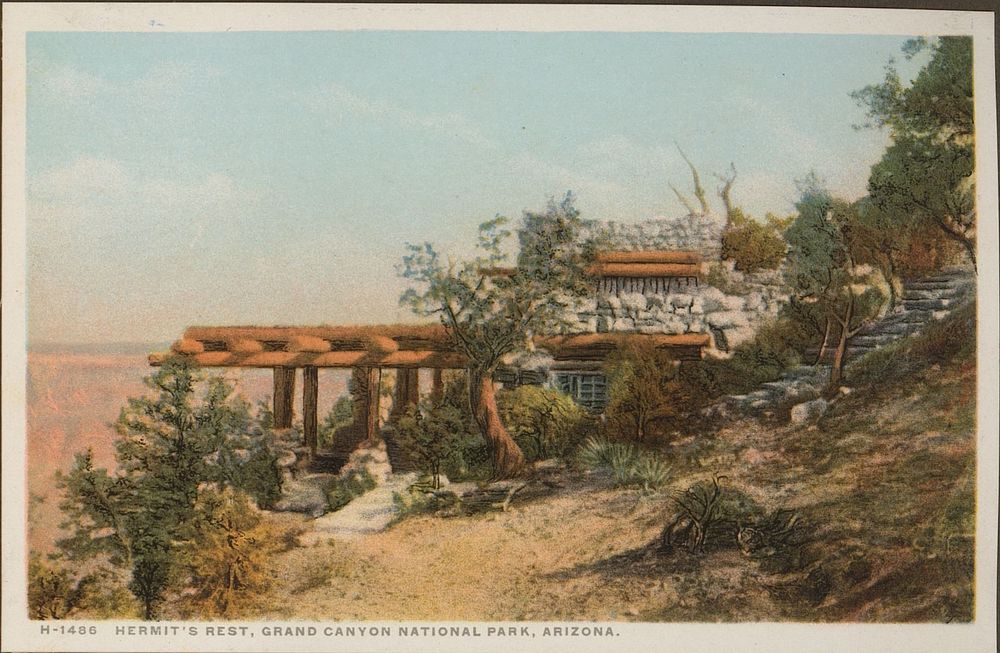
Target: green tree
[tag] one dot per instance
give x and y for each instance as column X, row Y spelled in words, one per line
column 823, row 268
column 544, row 422
column 926, row 175
column 753, row 246
column 490, row 316
column 172, row 444
column 433, row 435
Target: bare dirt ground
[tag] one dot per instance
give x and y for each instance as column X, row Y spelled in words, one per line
column 885, row 482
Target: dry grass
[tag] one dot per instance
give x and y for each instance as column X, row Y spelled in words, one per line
column 886, row 481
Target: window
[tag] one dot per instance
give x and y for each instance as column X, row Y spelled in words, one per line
column 589, row 389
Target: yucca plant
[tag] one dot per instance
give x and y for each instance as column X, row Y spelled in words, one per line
column 650, row 472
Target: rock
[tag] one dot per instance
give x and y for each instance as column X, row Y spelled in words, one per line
column 809, row 411
column 733, row 302
column 680, row 300
column 634, row 301
column 622, row 324
column 711, row 298
column 286, row 458
column 302, row 496
column 738, row 335
column 697, row 306
column 727, row 319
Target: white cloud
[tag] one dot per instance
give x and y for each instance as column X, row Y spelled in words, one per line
column 69, row 83
column 84, row 178
column 335, row 97
column 92, row 199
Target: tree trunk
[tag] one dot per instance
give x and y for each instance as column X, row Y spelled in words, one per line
column 840, row 356
column 890, row 277
column 822, row 345
column 507, row 457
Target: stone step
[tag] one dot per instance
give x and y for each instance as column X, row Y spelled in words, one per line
column 872, row 340
column 930, row 285
column 802, row 372
column 931, row 294
column 925, row 304
column 895, row 329
column 915, row 316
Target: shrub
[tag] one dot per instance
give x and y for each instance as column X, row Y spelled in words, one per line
column 431, row 435
column 248, row 463
column 53, row 592
column 775, row 348
column 543, row 422
column 341, row 414
column 645, row 390
column 650, row 472
column 754, row 246
column 628, row 466
column 348, row 487
column 228, row 554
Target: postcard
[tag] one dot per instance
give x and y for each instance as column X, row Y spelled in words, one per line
column 498, row 327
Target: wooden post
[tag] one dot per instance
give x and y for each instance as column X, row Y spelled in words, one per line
column 374, row 379
column 310, row 396
column 437, row 385
column 407, row 392
column 284, row 391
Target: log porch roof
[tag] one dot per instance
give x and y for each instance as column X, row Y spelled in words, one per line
column 393, row 345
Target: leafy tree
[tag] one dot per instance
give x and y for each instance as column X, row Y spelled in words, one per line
column 753, row 246
column 823, row 268
column 432, row 434
column 644, row 387
column 172, row 446
column 543, row 421
column 926, row 175
column 490, row 316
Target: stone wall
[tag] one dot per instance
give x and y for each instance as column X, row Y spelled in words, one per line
column 699, row 234
column 730, row 316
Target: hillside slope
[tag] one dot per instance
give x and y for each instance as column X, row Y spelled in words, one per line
column 883, row 487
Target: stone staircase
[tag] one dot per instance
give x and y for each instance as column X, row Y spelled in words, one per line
column 923, row 300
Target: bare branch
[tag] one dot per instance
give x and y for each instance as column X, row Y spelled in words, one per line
column 684, row 200
column 699, row 191
column 724, row 191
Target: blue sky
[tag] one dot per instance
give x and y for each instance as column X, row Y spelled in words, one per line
column 178, row 179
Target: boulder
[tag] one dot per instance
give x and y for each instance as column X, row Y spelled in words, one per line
column 733, row 302
column 736, row 336
column 727, row 319
column 809, row 411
